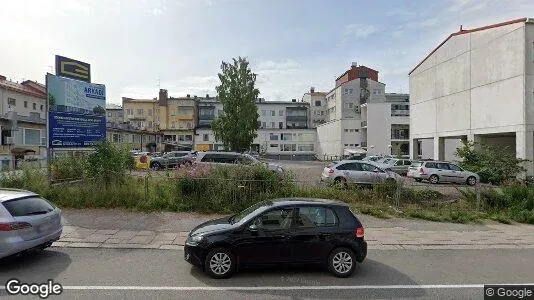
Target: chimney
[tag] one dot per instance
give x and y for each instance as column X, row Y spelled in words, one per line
column 163, row 97
column 461, row 27
column 312, row 90
column 207, row 96
column 294, row 100
column 2, row 77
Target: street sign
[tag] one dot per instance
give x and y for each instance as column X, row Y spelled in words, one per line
column 75, row 69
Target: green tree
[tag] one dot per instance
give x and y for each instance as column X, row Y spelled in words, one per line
column 238, row 125
column 99, row 110
column 493, row 164
column 108, row 164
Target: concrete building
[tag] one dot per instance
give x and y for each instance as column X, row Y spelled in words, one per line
column 317, row 102
column 22, row 123
column 114, row 114
column 141, row 113
column 476, row 85
column 134, row 139
column 361, row 118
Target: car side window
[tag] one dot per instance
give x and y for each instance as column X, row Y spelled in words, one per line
column 399, row 163
column 342, row 167
column 431, row 165
column 370, row 168
column 454, row 167
column 407, row 163
column 275, row 219
column 309, row 217
column 443, row 166
column 207, row 158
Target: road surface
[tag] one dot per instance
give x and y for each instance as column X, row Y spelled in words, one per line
column 162, row 274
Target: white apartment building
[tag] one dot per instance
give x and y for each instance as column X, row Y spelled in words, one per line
column 22, row 123
column 361, row 118
column 317, row 102
column 283, row 132
column 477, row 85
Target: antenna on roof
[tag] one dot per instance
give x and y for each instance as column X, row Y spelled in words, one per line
column 461, row 27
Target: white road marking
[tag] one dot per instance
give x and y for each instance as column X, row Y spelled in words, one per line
column 276, row 288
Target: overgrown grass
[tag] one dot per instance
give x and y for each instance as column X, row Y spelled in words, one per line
column 231, row 189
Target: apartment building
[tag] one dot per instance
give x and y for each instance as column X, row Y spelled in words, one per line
column 177, row 119
column 317, row 102
column 22, row 123
column 476, row 85
column 360, row 118
column 114, row 114
column 134, row 139
column 140, row 113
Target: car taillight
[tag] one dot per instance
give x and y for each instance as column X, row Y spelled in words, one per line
column 14, row 226
column 359, row 232
column 421, row 171
column 330, row 171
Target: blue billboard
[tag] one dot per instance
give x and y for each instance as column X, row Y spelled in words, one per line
column 77, row 112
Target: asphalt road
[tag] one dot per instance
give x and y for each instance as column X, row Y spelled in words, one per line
column 162, row 274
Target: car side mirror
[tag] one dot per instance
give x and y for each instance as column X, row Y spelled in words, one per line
column 253, row 228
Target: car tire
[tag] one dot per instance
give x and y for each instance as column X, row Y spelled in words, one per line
column 342, row 262
column 418, row 179
column 220, row 263
column 471, row 180
column 340, row 182
column 433, row 179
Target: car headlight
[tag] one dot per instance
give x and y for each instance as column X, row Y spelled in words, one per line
column 195, row 240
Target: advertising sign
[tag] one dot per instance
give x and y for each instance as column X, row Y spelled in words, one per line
column 75, row 69
column 77, row 113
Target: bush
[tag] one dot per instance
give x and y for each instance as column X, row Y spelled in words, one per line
column 493, row 164
column 108, row 164
column 68, row 167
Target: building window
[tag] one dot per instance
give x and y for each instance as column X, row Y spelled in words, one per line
column 25, row 104
column 150, row 112
column 272, row 125
column 140, row 111
column 273, row 113
column 32, row 136
column 351, row 130
column 318, row 103
column 346, row 130
column 263, row 125
column 273, row 137
column 356, row 130
column 281, row 112
column 306, row 147
column 41, row 107
column 286, row 136
column 34, row 106
column 273, row 145
column 280, row 125
column 288, row 147
column 11, row 102
column 206, row 138
column 322, row 112
column 264, row 113
column 351, row 105
column 109, row 114
column 346, row 145
column 351, row 145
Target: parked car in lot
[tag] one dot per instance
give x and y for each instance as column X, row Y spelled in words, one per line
column 27, row 222
column 357, row 172
column 172, row 159
column 233, row 158
column 374, row 158
column 397, row 165
column 441, row 171
column 280, row 232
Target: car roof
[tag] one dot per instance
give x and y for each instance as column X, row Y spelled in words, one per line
column 10, row 194
column 303, row 201
column 221, row 152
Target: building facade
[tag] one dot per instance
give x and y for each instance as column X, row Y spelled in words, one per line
column 22, row 123
column 476, row 85
column 317, row 102
column 360, row 118
column 114, row 114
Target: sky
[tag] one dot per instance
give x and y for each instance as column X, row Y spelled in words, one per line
column 136, row 47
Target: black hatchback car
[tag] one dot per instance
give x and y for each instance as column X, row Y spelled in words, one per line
column 282, row 231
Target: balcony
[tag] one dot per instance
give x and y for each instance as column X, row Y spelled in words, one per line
column 364, row 124
column 30, row 119
column 400, row 113
column 403, row 136
column 364, row 144
column 294, row 118
column 186, row 117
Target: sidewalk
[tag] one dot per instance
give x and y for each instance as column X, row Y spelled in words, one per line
column 120, row 229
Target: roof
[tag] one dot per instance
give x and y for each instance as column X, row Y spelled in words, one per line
column 462, row 31
column 125, row 99
column 24, row 88
column 298, row 201
column 10, row 194
column 113, row 106
column 283, row 102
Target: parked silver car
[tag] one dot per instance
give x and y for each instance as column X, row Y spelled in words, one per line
column 357, row 172
column 27, row 222
column 397, row 165
column 441, row 171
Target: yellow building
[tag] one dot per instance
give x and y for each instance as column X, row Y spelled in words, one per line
column 141, row 113
column 177, row 121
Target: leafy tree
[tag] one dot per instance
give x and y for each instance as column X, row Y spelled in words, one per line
column 108, row 164
column 237, row 127
column 493, row 164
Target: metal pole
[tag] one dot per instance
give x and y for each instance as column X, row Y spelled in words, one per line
column 48, row 149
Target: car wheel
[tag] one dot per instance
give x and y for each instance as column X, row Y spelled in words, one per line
column 433, row 179
column 342, row 262
column 220, row 263
column 471, row 180
column 418, row 179
column 340, row 182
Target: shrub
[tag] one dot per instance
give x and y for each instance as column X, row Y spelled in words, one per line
column 68, row 167
column 108, row 164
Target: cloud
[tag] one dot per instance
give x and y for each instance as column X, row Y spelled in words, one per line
column 158, row 11
column 271, row 66
column 358, row 30
column 468, row 5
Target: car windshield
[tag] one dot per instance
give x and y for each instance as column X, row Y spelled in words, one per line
column 243, row 214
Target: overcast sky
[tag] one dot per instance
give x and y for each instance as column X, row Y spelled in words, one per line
column 134, row 45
